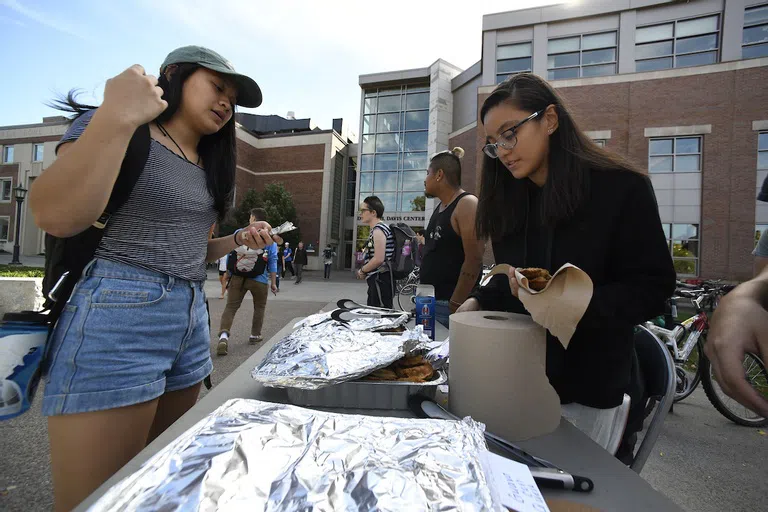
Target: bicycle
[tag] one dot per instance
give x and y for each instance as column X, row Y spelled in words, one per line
column 692, row 371
column 684, row 340
column 405, row 289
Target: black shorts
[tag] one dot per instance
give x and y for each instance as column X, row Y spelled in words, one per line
column 222, row 272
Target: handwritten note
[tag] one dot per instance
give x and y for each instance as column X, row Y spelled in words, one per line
column 516, row 486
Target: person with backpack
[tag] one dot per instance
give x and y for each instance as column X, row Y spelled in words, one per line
column 300, row 258
column 288, row 260
column 328, row 255
column 253, row 271
column 453, row 254
column 379, row 253
column 132, row 343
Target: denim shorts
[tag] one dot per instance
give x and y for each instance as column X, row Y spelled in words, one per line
column 126, row 336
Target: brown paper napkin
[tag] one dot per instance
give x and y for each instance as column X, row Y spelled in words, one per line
column 560, row 305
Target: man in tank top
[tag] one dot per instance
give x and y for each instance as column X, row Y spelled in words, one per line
column 453, row 256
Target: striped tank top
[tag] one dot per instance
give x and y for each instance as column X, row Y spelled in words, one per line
column 369, row 249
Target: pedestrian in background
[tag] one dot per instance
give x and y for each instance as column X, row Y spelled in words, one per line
column 288, row 260
column 300, row 258
column 328, row 255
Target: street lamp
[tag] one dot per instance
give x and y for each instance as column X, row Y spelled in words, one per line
column 21, row 193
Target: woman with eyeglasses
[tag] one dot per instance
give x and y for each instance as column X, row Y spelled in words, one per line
column 550, row 196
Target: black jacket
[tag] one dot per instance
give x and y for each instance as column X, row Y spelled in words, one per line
column 617, row 239
column 300, row 257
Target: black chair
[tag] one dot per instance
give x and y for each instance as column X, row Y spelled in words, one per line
column 658, row 371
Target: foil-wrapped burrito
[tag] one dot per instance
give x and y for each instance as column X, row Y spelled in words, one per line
column 251, row 455
column 327, row 354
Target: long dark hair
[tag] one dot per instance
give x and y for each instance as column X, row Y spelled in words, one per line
column 217, row 151
column 503, row 202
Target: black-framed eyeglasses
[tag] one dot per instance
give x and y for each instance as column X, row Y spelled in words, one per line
column 508, row 138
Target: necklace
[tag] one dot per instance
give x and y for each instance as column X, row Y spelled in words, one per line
column 165, row 132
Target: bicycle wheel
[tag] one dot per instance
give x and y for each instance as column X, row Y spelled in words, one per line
column 754, row 372
column 688, row 373
column 405, row 297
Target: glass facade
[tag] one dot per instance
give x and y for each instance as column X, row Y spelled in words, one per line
column 394, row 158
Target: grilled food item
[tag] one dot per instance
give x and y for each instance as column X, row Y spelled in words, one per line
column 407, row 369
column 537, row 277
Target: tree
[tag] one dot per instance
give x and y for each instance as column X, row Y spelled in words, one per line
column 418, row 204
column 238, row 217
column 277, row 202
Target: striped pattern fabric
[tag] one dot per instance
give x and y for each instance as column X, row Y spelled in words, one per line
column 164, row 224
column 390, row 253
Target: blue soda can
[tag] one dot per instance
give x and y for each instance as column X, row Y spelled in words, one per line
column 425, row 315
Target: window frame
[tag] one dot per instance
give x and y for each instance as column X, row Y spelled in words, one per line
column 8, row 236
column 580, row 66
column 754, row 25
column 10, row 190
column 5, row 154
column 674, row 39
column 675, row 154
column 670, row 245
column 500, row 77
column 34, row 152
column 761, row 151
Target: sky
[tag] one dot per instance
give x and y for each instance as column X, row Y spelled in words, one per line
column 306, row 55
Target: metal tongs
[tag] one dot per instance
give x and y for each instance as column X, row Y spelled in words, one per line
column 345, row 312
column 544, row 472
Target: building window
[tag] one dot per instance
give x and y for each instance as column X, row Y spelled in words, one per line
column 683, row 242
column 394, row 146
column 512, row 59
column 349, row 198
column 38, row 152
column 6, row 189
column 678, row 44
column 762, row 150
column 8, row 155
column 582, row 56
column 599, row 142
column 675, row 154
column 754, row 42
column 5, row 223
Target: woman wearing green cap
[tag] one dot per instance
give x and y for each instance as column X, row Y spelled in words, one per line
column 131, row 347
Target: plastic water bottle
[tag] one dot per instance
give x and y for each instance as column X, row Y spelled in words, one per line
column 22, row 345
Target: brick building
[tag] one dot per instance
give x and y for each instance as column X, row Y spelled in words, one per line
column 313, row 165
column 677, row 87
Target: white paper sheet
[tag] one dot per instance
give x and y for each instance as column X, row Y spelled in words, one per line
column 516, row 486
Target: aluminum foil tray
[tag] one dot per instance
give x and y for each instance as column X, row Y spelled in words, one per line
column 361, row 394
column 258, row 456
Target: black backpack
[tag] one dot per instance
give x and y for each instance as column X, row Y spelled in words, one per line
column 404, row 259
column 256, row 271
column 66, row 258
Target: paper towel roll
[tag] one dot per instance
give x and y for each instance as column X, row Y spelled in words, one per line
column 498, row 374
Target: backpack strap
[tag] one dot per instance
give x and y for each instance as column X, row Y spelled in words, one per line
column 71, row 255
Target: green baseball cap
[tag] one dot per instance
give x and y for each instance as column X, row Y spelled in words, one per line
column 248, row 91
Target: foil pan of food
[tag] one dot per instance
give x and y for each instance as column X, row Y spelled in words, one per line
column 385, row 388
column 252, row 455
column 328, row 354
